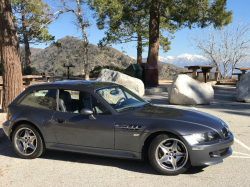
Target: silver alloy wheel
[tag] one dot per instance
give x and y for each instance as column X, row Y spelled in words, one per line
column 25, row 141
column 171, row 154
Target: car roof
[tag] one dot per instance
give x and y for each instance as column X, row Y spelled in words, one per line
column 80, row 83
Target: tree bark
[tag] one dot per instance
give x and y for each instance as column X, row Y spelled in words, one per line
column 154, row 23
column 85, row 42
column 139, row 49
column 11, row 66
column 27, row 51
column 26, row 41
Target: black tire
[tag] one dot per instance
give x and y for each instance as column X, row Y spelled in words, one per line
column 165, row 167
column 20, row 142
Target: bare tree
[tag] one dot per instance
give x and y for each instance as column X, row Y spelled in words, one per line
column 11, row 66
column 240, row 43
column 224, row 47
column 82, row 23
column 206, row 43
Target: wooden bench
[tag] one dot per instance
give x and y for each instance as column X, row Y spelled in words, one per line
column 239, row 75
column 216, row 75
column 51, row 74
column 185, row 72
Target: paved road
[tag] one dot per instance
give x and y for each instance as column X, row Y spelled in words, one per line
column 71, row 169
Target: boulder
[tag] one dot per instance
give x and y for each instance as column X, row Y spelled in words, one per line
column 243, row 88
column 187, row 91
column 133, row 84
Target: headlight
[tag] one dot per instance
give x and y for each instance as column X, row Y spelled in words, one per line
column 207, row 137
column 225, row 130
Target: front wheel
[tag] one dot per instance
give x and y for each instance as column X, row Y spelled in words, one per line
column 27, row 142
column 168, row 155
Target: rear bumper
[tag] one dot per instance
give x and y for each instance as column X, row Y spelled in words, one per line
column 210, row 153
column 6, row 129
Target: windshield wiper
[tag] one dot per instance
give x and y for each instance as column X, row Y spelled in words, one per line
column 148, row 104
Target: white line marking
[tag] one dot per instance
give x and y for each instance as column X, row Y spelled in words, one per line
column 242, row 144
column 240, row 156
column 241, row 153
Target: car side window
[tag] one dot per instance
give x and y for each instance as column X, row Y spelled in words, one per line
column 73, row 101
column 98, row 107
column 69, row 101
column 43, row 99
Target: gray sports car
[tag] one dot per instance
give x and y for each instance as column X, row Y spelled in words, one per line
column 107, row 119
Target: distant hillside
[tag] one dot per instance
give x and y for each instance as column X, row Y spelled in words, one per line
column 52, row 58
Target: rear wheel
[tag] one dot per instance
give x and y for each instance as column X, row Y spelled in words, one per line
column 27, row 142
column 168, row 155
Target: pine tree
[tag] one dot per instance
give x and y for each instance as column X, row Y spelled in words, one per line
column 165, row 14
column 183, row 13
column 31, row 19
column 11, row 66
column 126, row 21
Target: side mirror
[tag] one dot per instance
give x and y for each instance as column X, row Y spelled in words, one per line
column 86, row 111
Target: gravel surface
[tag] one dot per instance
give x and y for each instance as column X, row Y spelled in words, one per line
column 71, row 169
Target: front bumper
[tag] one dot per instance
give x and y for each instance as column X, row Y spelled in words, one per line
column 209, row 153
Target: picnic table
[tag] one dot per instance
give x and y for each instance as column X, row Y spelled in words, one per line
column 27, row 80
column 205, row 70
column 243, row 71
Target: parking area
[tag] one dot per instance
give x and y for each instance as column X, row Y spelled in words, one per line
column 72, row 169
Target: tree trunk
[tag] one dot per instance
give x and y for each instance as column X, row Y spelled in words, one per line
column 139, row 50
column 27, row 51
column 11, row 66
column 85, row 42
column 233, row 67
column 225, row 72
column 26, row 41
column 154, row 23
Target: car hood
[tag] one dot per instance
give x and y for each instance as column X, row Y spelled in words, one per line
column 180, row 114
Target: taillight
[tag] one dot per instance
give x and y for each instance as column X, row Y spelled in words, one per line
column 7, row 116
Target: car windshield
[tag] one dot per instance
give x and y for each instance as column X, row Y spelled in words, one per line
column 120, row 98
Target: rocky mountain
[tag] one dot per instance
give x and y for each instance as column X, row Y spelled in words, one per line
column 185, row 60
column 52, row 58
column 190, row 60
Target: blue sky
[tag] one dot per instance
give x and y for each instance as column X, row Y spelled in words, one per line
column 64, row 27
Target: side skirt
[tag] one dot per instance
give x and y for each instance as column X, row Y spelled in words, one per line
column 95, row 151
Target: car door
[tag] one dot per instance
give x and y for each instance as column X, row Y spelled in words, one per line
column 73, row 128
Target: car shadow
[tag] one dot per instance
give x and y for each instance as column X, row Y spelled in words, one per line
column 6, row 149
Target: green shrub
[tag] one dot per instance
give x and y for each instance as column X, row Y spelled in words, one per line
column 30, row 71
